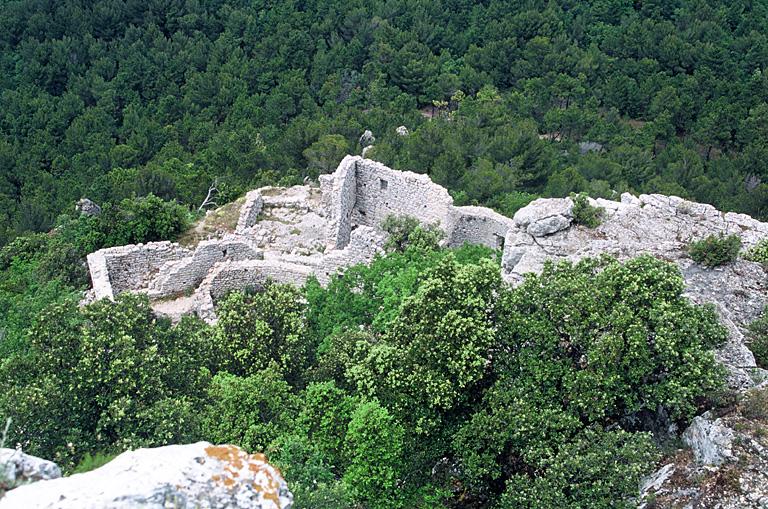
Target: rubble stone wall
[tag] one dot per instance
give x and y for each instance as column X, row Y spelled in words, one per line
column 250, row 211
column 381, row 192
column 478, row 225
column 130, row 267
column 186, row 274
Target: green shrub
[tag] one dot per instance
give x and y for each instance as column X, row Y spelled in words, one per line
column 715, row 250
column 586, row 214
column 407, row 231
column 758, row 340
column 250, row 411
column 758, row 253
column 598, row 470
column 597, row 344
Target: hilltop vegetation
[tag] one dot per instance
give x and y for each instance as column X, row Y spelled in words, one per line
column 115, row 99
column 418, row 381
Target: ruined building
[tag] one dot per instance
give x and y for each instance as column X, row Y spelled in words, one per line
column 288, row 235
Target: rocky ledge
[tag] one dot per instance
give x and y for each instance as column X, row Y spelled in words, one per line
column 546, row 230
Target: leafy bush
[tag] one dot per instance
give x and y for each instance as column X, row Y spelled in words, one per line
column 598, row 469
column 250, row 411
column 758, row 253
column 257, row 328
column 599, row 343
column 757, row 340
column 406, row 231
column 586, row 214
column 106, row 377
column 715, row 250
column 374, row 446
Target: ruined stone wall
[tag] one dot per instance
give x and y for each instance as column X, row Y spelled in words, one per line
column 365, row 192
column 99, row 271
column 478, row 225
column 186, row 274
column 130, row 267
column 340, row 194
column 365, row 242
column 250, row 210
column 255, row 274
column 382, row 191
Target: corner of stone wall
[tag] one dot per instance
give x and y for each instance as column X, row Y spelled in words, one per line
column 97, row 268
column 250, row 210
column 342, row 202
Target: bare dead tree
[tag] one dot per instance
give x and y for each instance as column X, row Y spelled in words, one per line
column 212, row 191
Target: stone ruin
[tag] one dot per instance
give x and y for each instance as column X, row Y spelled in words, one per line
column 289, row 235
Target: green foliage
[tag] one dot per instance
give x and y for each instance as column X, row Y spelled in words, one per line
column 131, row 101
column 406, row 231
column 597, row 343
column 715, row 250
column 597, row 469
column 374, row 446
column 586, row 214
column 370, row 296
column 249, row 411
column 419, row 380
column 758, row 339
column 258, row 328
column 92, row 462
column 758, row 253
column 107, row 377
column 436, row 349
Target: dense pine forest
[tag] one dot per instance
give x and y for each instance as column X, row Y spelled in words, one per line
column 421, row 380
column 114, row 99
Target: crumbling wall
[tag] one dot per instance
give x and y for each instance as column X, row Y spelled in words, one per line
column 478, row 225
column 365, row 242
column 382, row 191
column 250, row 210
column 127, row 268
column 188, row 273
column 342, row 195
column 99, row 271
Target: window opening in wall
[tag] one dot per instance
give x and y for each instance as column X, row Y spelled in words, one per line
column 383, row 184
column 499, row 241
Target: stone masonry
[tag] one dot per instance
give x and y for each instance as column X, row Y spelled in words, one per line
column 289, row 235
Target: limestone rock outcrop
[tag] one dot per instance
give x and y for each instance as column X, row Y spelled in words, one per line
column 87, row 207
column 17, row 469
column 189, row 476
column 662, row 226
column 710, row 440
column 726, row 466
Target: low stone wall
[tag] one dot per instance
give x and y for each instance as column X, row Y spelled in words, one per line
column 127, row 268
column 478, row 225
column 186, row 274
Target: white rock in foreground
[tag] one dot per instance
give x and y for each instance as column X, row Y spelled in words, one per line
column 197, row 475
column 17, row 468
